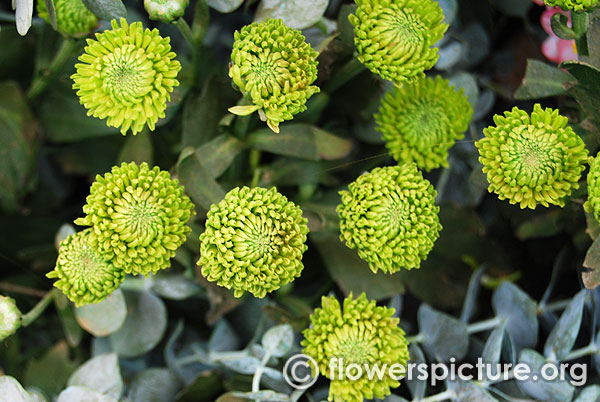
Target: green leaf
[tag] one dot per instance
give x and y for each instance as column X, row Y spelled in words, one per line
column 559, row 24
column 18, row 146
column 301, row 141
column 101, row 374
column 587, row 75
column 298, row 14
column 543, row 80
column 137, row 148
column 144, row 326
column 563, row 335
column 51, row 372
column 546, row 225
column 557, row 390
column 107, row 9
column 12, row 391
column 197, row 180
column 353, row 274
column 77, row 393
column 217, row 154
column 278, row 340
column 444, row 336
column 202, row 113
column 73, row 331
column 203, row 389
column 586, row 92
column 519, row 312
column 591, row 264
column 103, row 318
column 154, row 385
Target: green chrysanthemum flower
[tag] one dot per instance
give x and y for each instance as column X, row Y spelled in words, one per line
column 592, row 204
column 84, row 276
column 254, row 241
column 165, row 10
column 72, row 17
column 274, row 68
column 139, row 216
column 389, row 215
column 127, row 75
column 531, row 160
column 395, row 38
column 361, row 333
column 10, row 317
column 573, row 5
column 421, row 120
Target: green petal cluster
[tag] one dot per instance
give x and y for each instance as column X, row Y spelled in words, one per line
column 126, row 75
column 10, row 317
column 254, row 241
column 395, row 38
column 592, row 204
column 82, row 273
column 361, row 333
column 421, row 120
column 532, row 160
column 389, row 215
column 274, row 67
column 573, row 5
column 73, row 18
column 139, row 217
column 165, row 10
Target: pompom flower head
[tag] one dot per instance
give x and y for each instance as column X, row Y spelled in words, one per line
column 532, row 160
column 126, row 75
column 10, row 317
column 139, row 217
column 421, row 120
column 273, row 67
column 361, row 333
column 82, row 274
column 389, row 215
column 254, row 241
column 73, row 18
column 593, row 188
column 395, row 38
column 573, row 5
column 165, row 10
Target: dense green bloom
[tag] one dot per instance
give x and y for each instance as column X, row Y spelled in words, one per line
column 573, row 5
column 127, row 75
column 139, row 216
column 593, row 188
column 361, row 333
column 274, row 67
column 165, row 10
column 421, row 120
column 10, row 317
column 254, row 241
column 389, row 215
column 531, row 160
column 395, row 38
column 84, row 276
column 72, row 17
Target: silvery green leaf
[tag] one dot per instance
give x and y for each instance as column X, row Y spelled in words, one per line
column 103, row 318
column 12, row 390
column 174, row 286
column 77, row 393
column 224, row 6
column 450, row 54
column 466, row 81
column 589, row 394
column 469, row 391
column 520, row 313
column 450, row 8
column 223, row 337
column 107, row 9
column 23, row 15
column 244, row 365
column 298, row 14
column 154, row 385
column 416, row 385
column 471, row 296
column 493, row 346
column 551, row 391
column 101, row 374
column 444, row 336
column 278, row 340
column 485, row 102
column 563, row 335
column 64, row 231
column 263, row 396
column 36, row 396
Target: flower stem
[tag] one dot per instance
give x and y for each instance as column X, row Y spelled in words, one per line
column 38, row 309
column 259, row 371
column 579, row 22
column 345, row 74
column 438, row 397
column 186, row 31
column 40, row 82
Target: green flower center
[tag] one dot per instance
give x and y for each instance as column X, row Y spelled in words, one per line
column 354, row 344
column 425, row 124
column 127, row 73
column 398, row 27
column 256, row 238
column 83, row 265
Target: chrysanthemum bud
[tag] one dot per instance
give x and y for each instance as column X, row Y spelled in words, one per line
column 73, row 18
column 573, row 5
column 361, row 333
column 395, row 38
column 82, row 274
column 421, row 120
column 10, row 317
column 127, row 75
column 532, row 159
column 274, row 67
column 389, row 216
column 165, row 10
column 139, row 217
column 254, row 241
column 593, row 188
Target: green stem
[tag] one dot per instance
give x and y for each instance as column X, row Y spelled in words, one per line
column 186, row 31
column 579, row 23
column 40, row 82
column 259, row 371
column 38, row 309
column 345, row 74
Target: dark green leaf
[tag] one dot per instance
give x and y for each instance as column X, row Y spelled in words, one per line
column 542, row 80
column 198, row 181
column 587, row 75
column 137, row 148
column 107, row 9
column 203, row 389
column 519, row 312
column 217, row 154
column 51, row 372
column 444, row 336
column 559, row 23
column 515, row 8
column 73, row 331
column 591, row 272
column 202, row 113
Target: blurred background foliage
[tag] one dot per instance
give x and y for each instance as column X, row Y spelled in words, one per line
column 166, row 337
